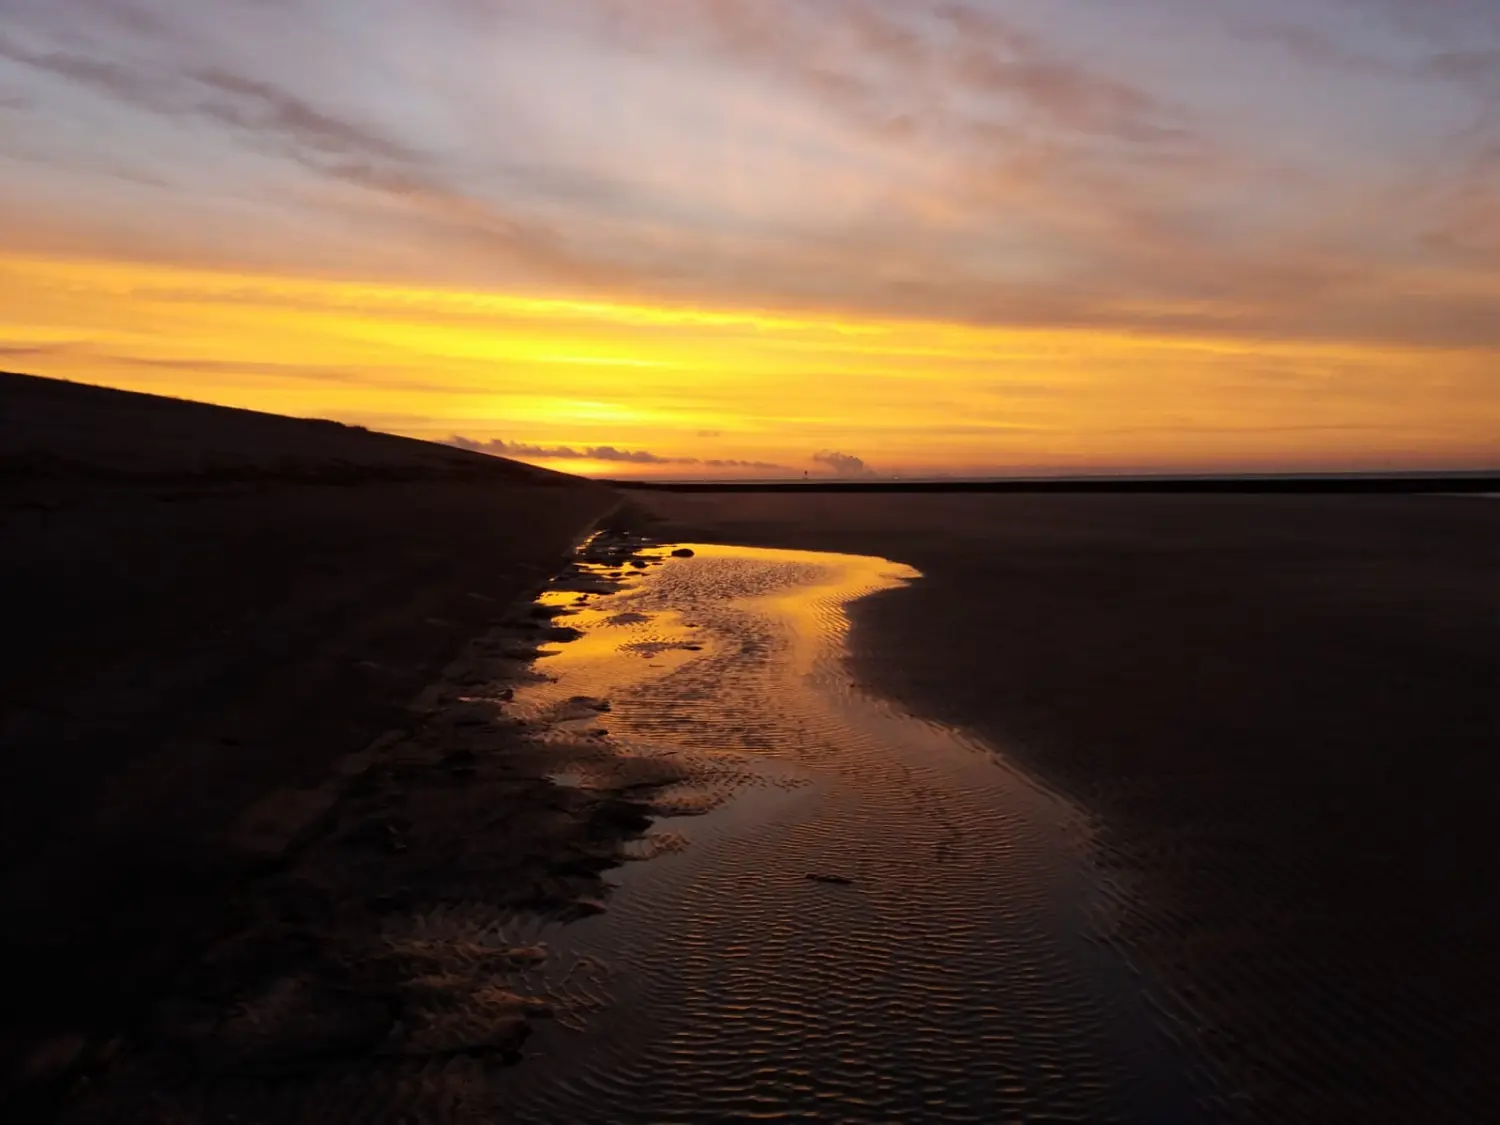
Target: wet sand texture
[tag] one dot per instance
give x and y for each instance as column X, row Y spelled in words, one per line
column 850, row 914
column 377, row 974
column 846, row 913
column 1284, row 711
column 204, row 610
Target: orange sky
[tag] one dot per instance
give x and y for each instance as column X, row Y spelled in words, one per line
column 735, row 385
column 900, row 238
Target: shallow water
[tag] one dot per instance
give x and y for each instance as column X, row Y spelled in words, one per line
column 854, row 915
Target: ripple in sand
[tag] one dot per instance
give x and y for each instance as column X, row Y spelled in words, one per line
column 850, row 914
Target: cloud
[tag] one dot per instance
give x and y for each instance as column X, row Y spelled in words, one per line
column 1001, row 58
column 259, row 107
column 254, row 107
column 499, row 447
column 730, row 463
column 42, row 350
column 846, row 52
column 91, row 360
column 269, row 118
column 1000, row 164
column 843, row 464
column 1318, row 49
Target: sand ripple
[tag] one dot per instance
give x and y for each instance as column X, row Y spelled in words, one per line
column 868, row 917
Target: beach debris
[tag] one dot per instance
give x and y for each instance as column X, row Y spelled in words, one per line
column 683, row 553
column 621, row 620
column 834, row 880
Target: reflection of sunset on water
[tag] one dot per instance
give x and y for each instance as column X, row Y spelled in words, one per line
column 826, row 873
column 641, row 628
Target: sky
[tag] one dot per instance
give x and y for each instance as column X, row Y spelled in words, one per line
column 720, row 238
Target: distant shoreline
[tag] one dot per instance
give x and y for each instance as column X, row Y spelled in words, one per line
column 1273, row 485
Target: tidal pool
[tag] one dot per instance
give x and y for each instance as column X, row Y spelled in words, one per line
column 844, row 913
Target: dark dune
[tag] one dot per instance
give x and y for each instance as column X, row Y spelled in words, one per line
column 1283, row 709
column 55, row 430
column 204, row 607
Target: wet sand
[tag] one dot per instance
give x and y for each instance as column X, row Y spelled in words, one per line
column 838, row 911
column 375, row 973
column 1133, row 808
column 205, row 612
column 848, row 913
column 1281, row 711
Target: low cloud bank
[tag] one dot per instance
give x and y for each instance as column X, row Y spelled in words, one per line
column 843, row 464
column 499, row 447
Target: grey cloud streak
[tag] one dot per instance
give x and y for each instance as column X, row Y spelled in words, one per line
column 1069, row 190
column 499, row 447
column 844, row 464
column 316, row 374
column 275, row 120
column 826, row 48
column 253, row 107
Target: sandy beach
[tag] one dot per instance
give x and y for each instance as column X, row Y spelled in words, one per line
column 882, row 562
column 207, row 610
column 340, row 786
column 1282, row 712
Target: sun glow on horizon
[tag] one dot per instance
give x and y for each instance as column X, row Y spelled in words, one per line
column 680, row 391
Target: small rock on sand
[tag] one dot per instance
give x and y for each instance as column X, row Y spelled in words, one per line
column 683, row 553
column 836, row 880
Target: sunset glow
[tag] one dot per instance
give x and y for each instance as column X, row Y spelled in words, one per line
column 913, row 238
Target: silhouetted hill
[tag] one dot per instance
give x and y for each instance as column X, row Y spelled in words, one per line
column 53, row 428
column 204, row 608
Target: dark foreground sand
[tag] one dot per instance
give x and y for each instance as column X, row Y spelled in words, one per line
column 204, row 611
column 1285, row 712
